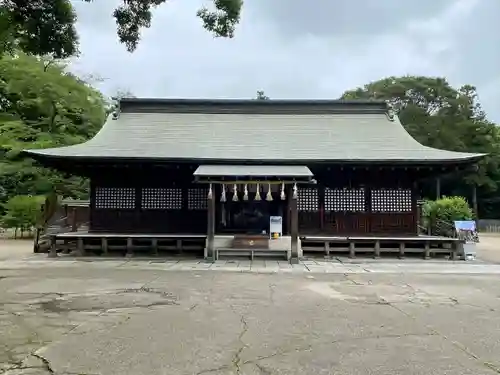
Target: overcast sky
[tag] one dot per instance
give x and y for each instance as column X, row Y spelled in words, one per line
column 290, row 49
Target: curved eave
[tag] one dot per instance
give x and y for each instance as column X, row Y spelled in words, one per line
column 54, row 156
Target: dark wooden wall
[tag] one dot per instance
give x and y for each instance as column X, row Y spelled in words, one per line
column 359, row 201
column 160, row 201
column 345, row 201
column 356, row 211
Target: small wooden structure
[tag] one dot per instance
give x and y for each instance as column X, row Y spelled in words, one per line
column 215, row 169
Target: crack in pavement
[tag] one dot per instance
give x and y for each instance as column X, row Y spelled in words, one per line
column 271, row 292
column 45, row 362
column 262, row 369
column 454, row 343
column 236, row 361
column 237, row 356
column 311, row 347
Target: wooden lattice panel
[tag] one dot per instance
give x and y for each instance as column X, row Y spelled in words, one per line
column 307, row 199
column 114, row 198
column 345, row 200
column 161, row 199
column 197, row 198
column 385, row 200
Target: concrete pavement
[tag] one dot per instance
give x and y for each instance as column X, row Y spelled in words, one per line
column 119, row 316
column 124, row 320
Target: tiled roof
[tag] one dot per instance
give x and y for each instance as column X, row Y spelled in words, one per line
column 254, row 131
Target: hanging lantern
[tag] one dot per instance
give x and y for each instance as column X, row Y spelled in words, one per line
column 235, row 193
column 210, row 195
column 282, row 195
column 223, row 194
column 257, row 194
column 269, row 196
column 245, row 193
column 294, row 196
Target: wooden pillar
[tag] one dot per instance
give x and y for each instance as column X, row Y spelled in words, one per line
column 474, row 202
column 438, row 188
column 210, row 253
column 418, row 213
column 321, row 206
column 294, row 230
column 74, row 225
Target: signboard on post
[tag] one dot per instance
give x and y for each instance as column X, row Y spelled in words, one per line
column 275, row 227
column 466, row 230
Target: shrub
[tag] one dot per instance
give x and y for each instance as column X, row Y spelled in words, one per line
column 440, row 214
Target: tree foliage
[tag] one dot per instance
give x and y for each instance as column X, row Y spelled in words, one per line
column 22, row 212
column 441, row 116
column 41, row 105
column 42, row 27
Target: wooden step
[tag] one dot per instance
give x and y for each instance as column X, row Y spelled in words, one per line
column 251, row 253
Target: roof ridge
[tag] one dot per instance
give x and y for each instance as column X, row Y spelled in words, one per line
column 271, row 106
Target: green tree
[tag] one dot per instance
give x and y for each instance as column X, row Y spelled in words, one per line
column 22, row 212
column 43, row 27
column 440, row 116
column 41, row 105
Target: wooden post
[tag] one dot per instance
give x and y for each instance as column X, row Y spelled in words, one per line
column 154, row 245
column 377, row 249
column 74, row 225
column 104, row 245
column 352, row 251
column 80, row 250
column 401, row 250
column 294, row 231
column 454, row 250
column 130, row 250
column 418, row 207
column 210, row 253
column 427, row 253
column 53, row 247
column 438, row 188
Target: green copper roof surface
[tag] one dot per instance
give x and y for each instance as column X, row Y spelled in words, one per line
column 281, row 131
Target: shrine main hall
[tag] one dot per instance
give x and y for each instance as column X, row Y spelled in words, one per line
column 251, row 174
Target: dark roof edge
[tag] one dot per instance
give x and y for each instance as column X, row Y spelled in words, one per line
column 292, row 106
column 92, row 159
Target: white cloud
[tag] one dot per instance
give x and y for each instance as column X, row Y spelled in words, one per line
column 293, row 50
